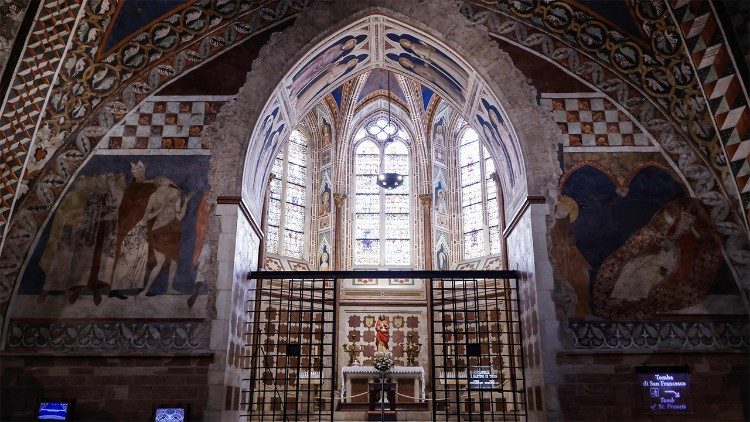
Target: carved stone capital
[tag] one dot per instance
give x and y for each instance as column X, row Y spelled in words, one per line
column 339, row 199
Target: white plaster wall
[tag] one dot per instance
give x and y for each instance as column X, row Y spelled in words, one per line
column 237, row 254
column 527, row 253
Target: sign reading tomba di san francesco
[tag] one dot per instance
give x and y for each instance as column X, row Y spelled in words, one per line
column 665, row 389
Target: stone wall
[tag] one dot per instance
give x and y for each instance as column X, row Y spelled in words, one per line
column 105, row 388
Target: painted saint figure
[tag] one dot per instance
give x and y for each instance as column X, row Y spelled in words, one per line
column 568, row 258
column 639, row 276
column 59, row 263
column 382, row 327
column 325, row 200
column 326, row 135
column 440, row 203
column 442, row 258
column 324, row 264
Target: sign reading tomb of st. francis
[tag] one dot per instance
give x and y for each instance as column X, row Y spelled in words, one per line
column 665, row 389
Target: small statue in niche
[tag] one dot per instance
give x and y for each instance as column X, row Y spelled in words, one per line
column 382, row 328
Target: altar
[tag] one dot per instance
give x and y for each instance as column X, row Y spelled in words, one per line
column 369, row 372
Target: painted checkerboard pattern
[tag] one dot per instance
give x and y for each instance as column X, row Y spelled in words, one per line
column 593, row 122
column 165, row 124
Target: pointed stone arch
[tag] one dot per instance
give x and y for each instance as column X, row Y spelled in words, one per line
column 497, row 101
column 496, row 96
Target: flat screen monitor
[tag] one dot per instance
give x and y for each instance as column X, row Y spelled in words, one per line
column 171, row 413
column 55, row 410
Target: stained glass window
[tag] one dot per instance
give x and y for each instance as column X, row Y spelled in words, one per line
column 479, row 208
column 287, row 204
column 367, row 204
column 382, row 234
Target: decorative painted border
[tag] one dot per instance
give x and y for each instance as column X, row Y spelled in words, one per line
column 635, row 335
column 114, row 336
column 723, row 88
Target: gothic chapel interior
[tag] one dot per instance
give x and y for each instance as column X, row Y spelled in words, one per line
column 318, row 210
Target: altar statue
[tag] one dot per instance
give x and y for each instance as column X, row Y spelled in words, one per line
column 383, row 336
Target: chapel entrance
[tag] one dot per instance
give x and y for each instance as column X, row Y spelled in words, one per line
column 300, row 369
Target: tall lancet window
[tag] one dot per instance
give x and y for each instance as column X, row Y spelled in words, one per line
column 382, row 234
column 286, row 207
column 479, row 206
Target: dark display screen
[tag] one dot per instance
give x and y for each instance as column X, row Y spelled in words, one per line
column 54, row 411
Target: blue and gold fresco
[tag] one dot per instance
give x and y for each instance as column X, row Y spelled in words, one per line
column 419, row 58
column 632, row 252
column 336, row 61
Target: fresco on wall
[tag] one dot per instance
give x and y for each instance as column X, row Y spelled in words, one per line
column 440, row 194
column 491, row 123
column 635, row 251
column 129, row 225
column 421, row 59
column 438, row 141
column 268, row 133
column 442, row 261
column 325, row 140
column 325, row 196
column 326, row 68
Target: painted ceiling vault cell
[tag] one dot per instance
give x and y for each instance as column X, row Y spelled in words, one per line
column 426, row 96
column 375, row 43
column 377, row 80
column 334, row 61
column 134, row 15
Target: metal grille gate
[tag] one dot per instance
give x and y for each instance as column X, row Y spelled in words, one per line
column 477, row 370
column 292, row 353
column 477, row 363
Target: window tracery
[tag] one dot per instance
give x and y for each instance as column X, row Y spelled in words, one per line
column 287, row 203
column 382, row 218
column 479, row 209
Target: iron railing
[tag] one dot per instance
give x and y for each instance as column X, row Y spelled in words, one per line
column 475, row 352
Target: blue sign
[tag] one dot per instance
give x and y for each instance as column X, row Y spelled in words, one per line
column 665, row 391
column 53, row 411
column 170, row 414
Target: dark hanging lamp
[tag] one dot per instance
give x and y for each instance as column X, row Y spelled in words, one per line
column 389, row 180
